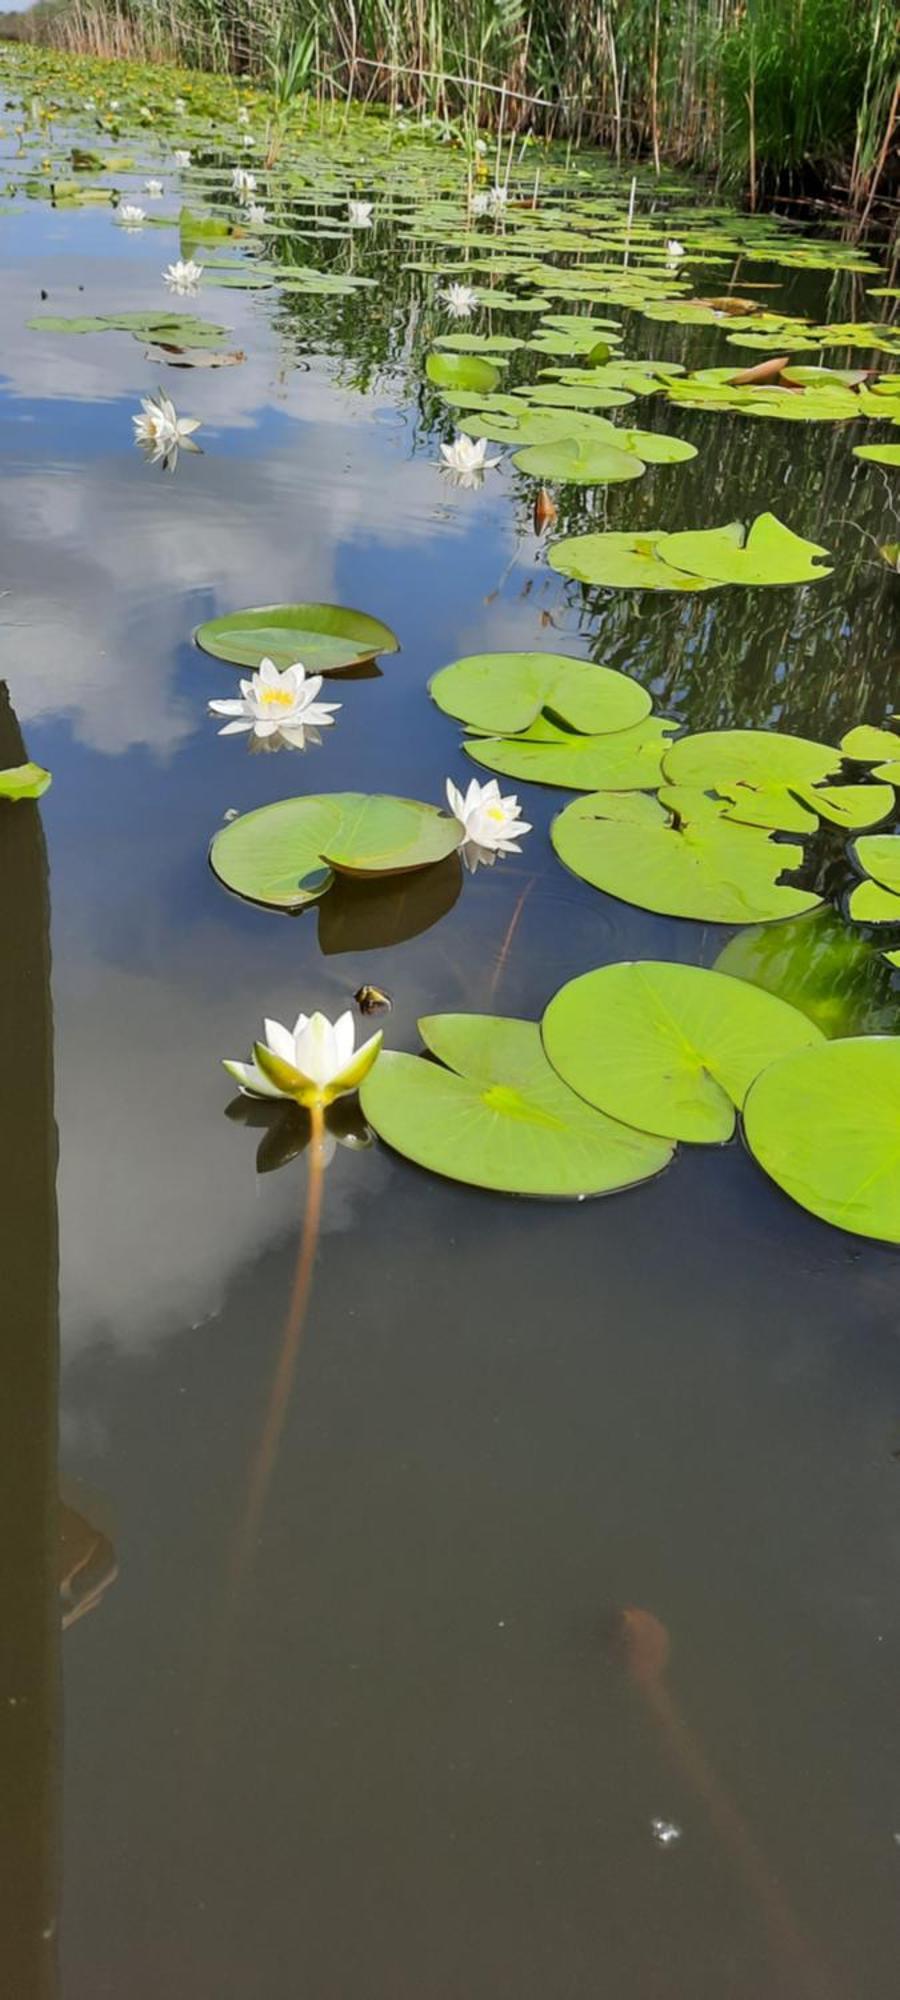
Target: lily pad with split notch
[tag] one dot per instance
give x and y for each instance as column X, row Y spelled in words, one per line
column 492, row 1112
column 505, row 693
column 326, row 638
column 669, row 1048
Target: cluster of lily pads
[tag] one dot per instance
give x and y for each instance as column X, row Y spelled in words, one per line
column 629, row 1060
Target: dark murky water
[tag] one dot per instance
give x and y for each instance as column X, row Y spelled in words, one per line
column 401, row 1759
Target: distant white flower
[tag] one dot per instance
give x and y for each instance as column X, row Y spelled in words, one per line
column 113, row 104
column 359, row 214
column 145, row 111
column 181, row 156
column 278, row 708
column 248, row 140
column 481, row 145
column 480, row 203
column 161, row 431
column 466, row 460
column 491, row 824
column 311, row 1064
column 460, row 300
column 243, row 184
column 153, row 189
column 674, row 250
column 130, row 216
column 184, row 275
column 256, row 214
column 243, row 115
column 179, row 107
column 497, row 199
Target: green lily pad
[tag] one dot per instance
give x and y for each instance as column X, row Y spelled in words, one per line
column 877, row 901
column 503, row 693
column 821, row 965
column 669, row 1048
column 823, row 1124
column 748, row 757
column 768, row 553
column 575, row 396
column 583, row 461
column 878, row 454
column 492, row 1112
column 620, row 562
column 24, row 781
column 706, row 869
column 285, row 856
column 327, row 638
column 469, row 372
column 868, row 745
column 628, row 760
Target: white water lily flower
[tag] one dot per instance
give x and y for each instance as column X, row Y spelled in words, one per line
column 359, row 214
column 491, row 824
column 182, row 157
column 465, row 459
column 184, row 275
column 311, row 1065
column 674, row 250
column 154, row 190
column 279, row 708
column 256, row 214
column 130, row 216
column 161, row 431
column 497, row 199
column 243, row 184
column 480, row 203
column 460, row 300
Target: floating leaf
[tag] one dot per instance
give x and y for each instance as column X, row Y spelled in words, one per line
column 700, row 559
column 771, row 554
column 819, row 964
column 503, row 693
column 621, row 562
column 868, row 745
column 547, row 755
column 707, row 869
column 327, row 638
column 583, row 461
column 24, row 781
column 823, row 1124
column 462, row 371
column 878, row 454
column 498, row 1116
column 669, row 1048
column 285, row 855
column 878, row 900
column 748, row 756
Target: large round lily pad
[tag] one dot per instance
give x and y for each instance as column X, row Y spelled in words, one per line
column 494, row 1113
column 627, row 760
column 707, row 869
column 580, row 461
column 286, row 855
column 669, row 1048
column 749, row 757
column 325, row 638
column 504, row 693
column 823, row 1124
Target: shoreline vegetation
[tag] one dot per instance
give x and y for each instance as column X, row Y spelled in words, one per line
column 790, row 100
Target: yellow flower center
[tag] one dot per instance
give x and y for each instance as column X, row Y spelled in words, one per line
column 495, row 812
column 276, row 698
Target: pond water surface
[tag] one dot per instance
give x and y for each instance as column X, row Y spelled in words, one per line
column 382, row 1745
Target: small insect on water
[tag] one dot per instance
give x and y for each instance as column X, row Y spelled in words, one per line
column 373, row 1000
